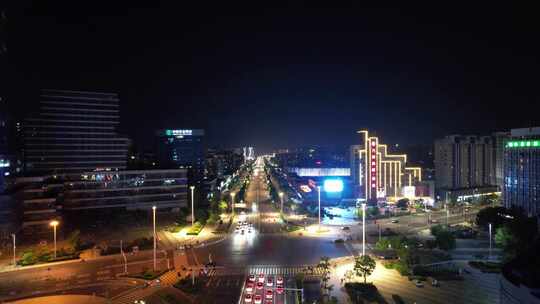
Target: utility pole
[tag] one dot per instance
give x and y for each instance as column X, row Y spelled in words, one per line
column 14, row 250
column 124, row 256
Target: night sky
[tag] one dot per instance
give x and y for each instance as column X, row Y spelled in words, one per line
column 287, row 76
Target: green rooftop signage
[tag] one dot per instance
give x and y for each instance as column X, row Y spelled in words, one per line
column 523, row 144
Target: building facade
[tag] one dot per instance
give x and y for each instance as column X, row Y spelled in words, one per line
column 74, row 132
column 465, row 167
column 522, row 170
column 378, row 174
column 182, row 148
column 52, row 197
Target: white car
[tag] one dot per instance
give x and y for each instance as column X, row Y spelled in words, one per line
column 279, row 280
column 248, row 298
column 269, row 282
column 261, row 277
column 249, row 287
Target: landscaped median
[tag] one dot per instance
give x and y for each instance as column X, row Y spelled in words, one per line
column 486, row 267
column 195, row 229
column 149, row 274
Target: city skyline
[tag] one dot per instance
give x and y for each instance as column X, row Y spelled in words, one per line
column 341, row 68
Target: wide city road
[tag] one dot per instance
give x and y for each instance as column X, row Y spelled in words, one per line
column 265, row 244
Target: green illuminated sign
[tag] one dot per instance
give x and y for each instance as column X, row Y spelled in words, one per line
column 523, row 144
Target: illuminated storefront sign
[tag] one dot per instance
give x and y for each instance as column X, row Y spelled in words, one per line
column 523, row 144
column 305, row 188
column 373, row 167
column 333, row 185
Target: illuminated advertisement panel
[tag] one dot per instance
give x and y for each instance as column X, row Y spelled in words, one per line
column 333, row 185
column 373, row 167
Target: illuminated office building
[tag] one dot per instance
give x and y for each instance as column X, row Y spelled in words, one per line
column 182, row 149
column 522, row 170
column 378, row 174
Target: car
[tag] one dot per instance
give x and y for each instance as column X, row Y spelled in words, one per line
column 434, row 283
column 261, row 277
column 434, row 221
column 248, row 298
column 269, row 294
column 279, row 280
column 258, row 299
column 249, row 287
column 418, row 283
column 260, row 285
column 242, row 232
column 251, row 278
column 279, row 289
column 249, row 230
column 269, row 282
column 345, row 228
column 269, row 302
column 395, row 221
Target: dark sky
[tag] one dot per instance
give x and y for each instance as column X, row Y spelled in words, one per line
column 286, row 76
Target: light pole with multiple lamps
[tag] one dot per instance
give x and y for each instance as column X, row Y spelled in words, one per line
column 363, row 229
column 281, row 197
column 54, row 224
column 192, row 205
column 155, row 239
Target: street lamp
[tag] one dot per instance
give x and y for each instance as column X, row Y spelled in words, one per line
column 319, row 190
column 489, row 256
column 155, row 239
column 54, row 224
column 363, row 229
column 447, row 215
column 281, row 197
column 14, row 252
column 192, row 205
column 232, row 201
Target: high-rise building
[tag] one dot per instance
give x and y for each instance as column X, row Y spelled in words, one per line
column 522, row 170
column 182, row 148
column 499, row 140
column 74, row 132
column 464, row 166
column 380, row 174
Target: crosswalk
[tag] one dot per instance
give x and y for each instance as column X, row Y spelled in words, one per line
column 285, row 270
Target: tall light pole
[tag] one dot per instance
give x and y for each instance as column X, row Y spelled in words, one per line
column 54, row 224
column 281, row 197
column 363, row 229
column 192, row 205
column 319, row 190
column 155, row 239
column 232, row 201
column 447, row 215
column 14, row 252
column 489, row 256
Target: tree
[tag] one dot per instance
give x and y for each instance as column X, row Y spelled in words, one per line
column 364, row 266
column 324, row 264
column 383, row 244
column 402, row 203
column 223, row 206
column 495, row 216
column 445, row 240
column 74, row 240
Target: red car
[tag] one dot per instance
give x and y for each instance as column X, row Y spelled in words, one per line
column 260, row 285
column 258, row 299
column 279, row 289
column 249, row 287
